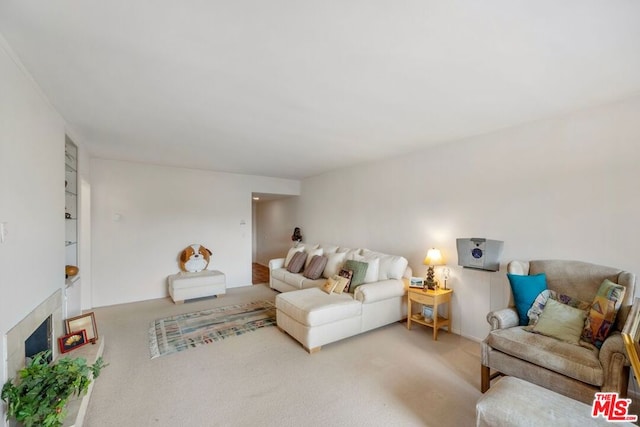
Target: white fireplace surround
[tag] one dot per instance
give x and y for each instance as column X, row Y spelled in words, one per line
column 17, row 336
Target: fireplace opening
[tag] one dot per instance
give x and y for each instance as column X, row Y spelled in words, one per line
column 39, row 340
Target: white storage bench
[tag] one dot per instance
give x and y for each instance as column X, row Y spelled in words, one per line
column 206, row 283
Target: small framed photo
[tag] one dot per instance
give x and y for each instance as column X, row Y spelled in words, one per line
column 416, row 282
column 85, row 321
column 72, row 341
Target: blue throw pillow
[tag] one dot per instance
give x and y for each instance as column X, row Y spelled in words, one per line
column 525, row 290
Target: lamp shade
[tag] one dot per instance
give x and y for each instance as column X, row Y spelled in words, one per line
column 434, row 257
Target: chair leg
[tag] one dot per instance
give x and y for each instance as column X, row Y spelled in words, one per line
column 485, row 378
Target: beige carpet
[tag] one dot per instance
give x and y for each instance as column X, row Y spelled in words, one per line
column 386, row 377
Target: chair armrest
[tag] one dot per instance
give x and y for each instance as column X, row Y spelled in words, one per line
column 504, row 318
column 275, row 264
column 612, row 345
column 378, row 291
column 614, row 360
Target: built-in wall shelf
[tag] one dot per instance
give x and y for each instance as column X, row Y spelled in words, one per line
column 72, row 293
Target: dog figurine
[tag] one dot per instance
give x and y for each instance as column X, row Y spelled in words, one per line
column 194, row 258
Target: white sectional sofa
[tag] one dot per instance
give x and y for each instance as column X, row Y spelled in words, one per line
column 315, row 318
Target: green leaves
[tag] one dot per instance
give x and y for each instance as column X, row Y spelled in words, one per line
column 40, row 396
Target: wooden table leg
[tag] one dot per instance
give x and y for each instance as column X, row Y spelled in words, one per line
column 435, row 319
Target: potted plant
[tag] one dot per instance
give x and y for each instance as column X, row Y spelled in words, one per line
column 39, row 396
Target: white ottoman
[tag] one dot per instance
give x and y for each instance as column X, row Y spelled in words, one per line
column 183, row 286
column 513, row 402
column 315, row 318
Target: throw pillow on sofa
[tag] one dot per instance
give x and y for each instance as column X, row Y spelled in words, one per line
column 334, row 263
column 335, row 284
column 291, row 253
column 359, row 269
column 347, row 274
column 602, row 314
column 297, row 262
column 373, row 266
column 311, row 252
column 314, row 269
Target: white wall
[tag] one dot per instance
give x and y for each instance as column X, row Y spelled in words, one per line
column 275, row 220
column 162, row 210
column 31, row 198
column 564, row 188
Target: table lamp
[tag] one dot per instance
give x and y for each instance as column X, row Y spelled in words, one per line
column 433, row 258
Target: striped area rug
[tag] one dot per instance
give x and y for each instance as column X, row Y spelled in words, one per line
column 178, row 333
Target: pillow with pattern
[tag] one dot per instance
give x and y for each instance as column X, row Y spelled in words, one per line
column 296, row 265
column 347, row 274
column 541, row 300
column 603, row 312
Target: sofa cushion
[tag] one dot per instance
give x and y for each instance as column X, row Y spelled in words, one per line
column 328, row 249
column 561, row 321
column 278, row 273
column 334, row 263
column 602, row 314
column 359, row 270
column 373, row 266
column 312, row 307
column 525, row 289
column 315, row 268
column 291, row 253
column 301, row 282
column 351, row 253
column 311, row 252
column 297, row 262
column 578, row 362
column 391, row 266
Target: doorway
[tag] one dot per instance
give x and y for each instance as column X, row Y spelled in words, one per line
column 274, row 217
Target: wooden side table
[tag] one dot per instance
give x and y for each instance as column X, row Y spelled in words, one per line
column 434, row 298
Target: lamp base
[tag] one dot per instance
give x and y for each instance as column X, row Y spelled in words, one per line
column 433, row 285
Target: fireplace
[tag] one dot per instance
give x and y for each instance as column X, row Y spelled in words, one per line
column 40, row 340
column 49, row 314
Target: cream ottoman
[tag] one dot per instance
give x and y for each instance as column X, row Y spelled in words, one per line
column 315, row 318
column 513, row 402
column 183, row 286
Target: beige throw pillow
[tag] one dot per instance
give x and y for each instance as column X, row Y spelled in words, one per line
column 329, row 285
column 561, row 321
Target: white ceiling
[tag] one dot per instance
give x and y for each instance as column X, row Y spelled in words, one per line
column 295, row 88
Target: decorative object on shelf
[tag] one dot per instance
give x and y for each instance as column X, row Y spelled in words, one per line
column 427, row 312
column 433, row 258
column 86, row 322
column 73, row 340
column 194, row 258
column 70, row 270
column 296, row 236
column 40, row 396
column 446, row 273
column 416, row 282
